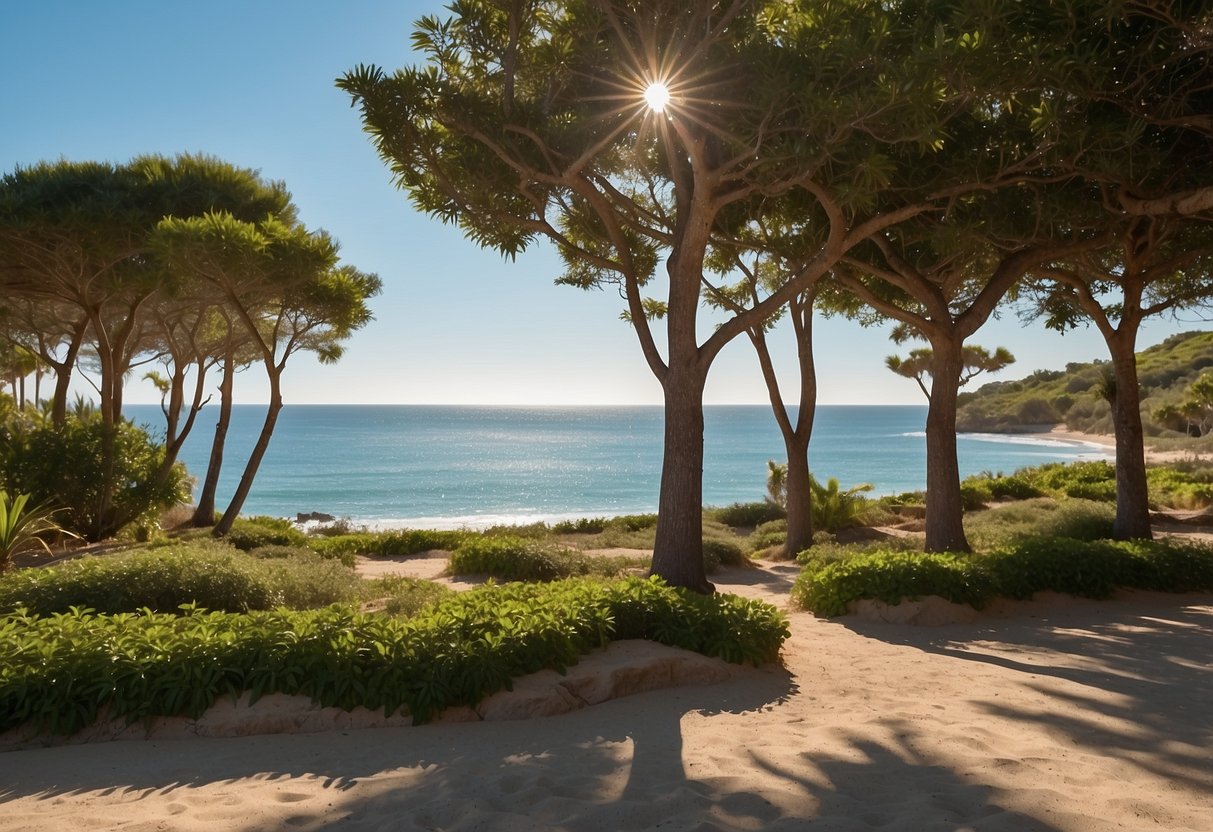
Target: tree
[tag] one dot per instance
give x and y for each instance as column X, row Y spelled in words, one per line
column 529, row 122
column 287, row 290
column 942, row 280
column 974, row 361
column 1129, row 100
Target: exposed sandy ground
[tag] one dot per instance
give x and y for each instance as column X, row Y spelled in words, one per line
column 1054, row 715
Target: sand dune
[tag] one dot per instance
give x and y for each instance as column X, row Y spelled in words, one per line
column 1070, row 715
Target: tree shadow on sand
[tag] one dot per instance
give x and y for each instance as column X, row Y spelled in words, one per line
column 1131, row 679
column 435, row 773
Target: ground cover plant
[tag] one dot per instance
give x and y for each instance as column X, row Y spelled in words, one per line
column 1183, row 485
column 1017, row 570
column 513, row 558
column 163, row 578
column 137, row 665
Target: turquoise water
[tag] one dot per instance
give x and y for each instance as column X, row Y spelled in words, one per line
column 440, row 466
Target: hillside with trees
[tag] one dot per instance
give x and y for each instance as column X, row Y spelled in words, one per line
column 1078, row 395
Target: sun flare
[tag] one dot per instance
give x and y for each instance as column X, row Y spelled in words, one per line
column 657, row 96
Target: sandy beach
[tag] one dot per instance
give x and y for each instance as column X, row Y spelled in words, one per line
column 1058, row 714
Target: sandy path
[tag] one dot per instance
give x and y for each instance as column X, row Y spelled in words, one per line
column 1080, row 716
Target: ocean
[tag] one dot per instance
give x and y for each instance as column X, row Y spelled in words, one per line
column 453, row 466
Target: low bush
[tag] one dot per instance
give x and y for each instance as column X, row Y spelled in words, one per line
column 721, row 547
column 583, row 525
column 768, row 535
column 1042, row 516
column 523, row 559
column 746, row 515
column 140, row 665
column 209, row 575
column 1086, row 568
column 250, row 533
column 388, row 544
column 1181, row 486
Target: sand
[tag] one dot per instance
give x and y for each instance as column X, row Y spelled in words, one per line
column 1052, row 715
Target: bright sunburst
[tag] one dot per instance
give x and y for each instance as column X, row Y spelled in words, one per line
column 657, row 96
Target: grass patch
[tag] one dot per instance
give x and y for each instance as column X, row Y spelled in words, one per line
column 1091, row 569
column 147, row 664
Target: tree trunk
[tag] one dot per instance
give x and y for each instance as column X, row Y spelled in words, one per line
column 254, row 461
column 945, row 509
column 678, row 549
column 800, row 495
column 1132, row 491
column 63, row 373
column 204, row 512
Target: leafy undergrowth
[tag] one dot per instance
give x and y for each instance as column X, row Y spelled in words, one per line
column 208, row 574
column 512, row 558
column 1092, row 569
column 59, row 672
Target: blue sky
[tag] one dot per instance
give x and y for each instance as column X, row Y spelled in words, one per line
column 252, row 83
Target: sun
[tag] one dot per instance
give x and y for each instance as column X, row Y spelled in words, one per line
column 657, row 96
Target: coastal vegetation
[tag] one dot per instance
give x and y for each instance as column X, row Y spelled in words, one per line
column 454, row 651
column 187, row 263
column 1090, row 569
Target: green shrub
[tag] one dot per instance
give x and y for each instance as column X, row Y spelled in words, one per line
column 522, row 559
column 1002, row 487
column 633, row 522
column 974, row 496
column 1085, row 568
column 163, row 579
column 746, row 515
column 250, row 533
column 718, row 552
column 388, row 544
column 1187, row 487
column 769, row 534
column 136, row 666
column 99, row 479
column 833, row 509
column 583, row 525
column 1069, row 518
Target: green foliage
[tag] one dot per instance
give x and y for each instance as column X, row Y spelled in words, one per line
column 388, row 544
column 23, row 527
column 746, row 515
column 250, row 533
column 998, row 486
column 209, row 575
column 524, row 559
column 582, row 525
column 98, row 479
column 769, row 535
column 1181, row 486
column 834, row 509
column 1086, row 568
column 974, row 495
column 1067, row 517
column 138, row 665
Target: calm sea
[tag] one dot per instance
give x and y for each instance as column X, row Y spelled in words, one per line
column 445, row 467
